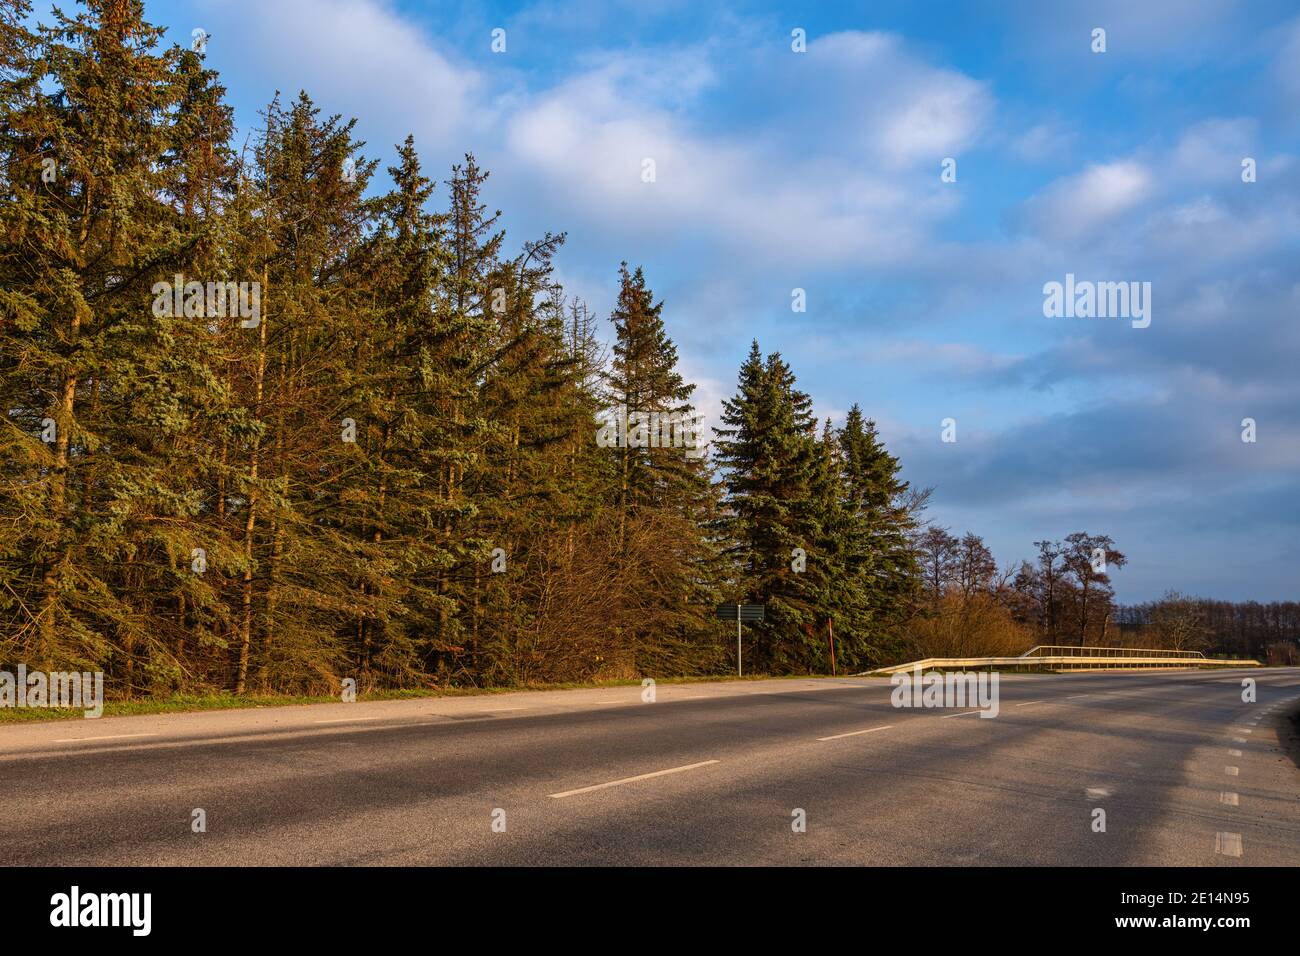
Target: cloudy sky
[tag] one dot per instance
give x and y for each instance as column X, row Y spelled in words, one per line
column 821, row 170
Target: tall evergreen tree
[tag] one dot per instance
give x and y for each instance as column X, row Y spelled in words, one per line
column 409, row 372
column 107, row 382
column 301, row 493
column 881, row 559
column 663, row 485
column 768, row 453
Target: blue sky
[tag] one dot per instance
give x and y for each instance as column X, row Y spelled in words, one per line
column 821, row 170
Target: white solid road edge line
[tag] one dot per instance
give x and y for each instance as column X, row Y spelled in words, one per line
column 74, row 740
column 854, row 733
column 642, row 776
column 347, row 720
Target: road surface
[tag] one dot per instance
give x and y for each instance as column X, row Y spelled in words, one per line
column 1185, row 771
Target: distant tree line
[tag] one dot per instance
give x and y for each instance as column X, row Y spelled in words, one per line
column 1242, row 629
column 972, row 608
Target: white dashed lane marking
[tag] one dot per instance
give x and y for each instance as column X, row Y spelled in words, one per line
column 642, row 776
column 1227, row 844
column 854, row 733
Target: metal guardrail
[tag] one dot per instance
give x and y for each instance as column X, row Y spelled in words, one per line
column 1067, row 650
column 1075, row 658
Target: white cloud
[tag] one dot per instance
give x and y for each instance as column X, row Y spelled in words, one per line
column 767, row 194
column 1078, row 205
column 355, row 57
column 959, row 358
column 841, row 167
column 1042, row 141
column 1134, row 31
column 1212, row 150
column 1286, row 68
column 888, row 101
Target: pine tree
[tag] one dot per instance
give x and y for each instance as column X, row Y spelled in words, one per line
column 300, row 494
column 88, row 365
column 881, row 559
column 23, row 457
column 415, row 380
column 769, row 456
column 663, row 485
column 841, row 597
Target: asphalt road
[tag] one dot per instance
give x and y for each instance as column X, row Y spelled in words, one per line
column 1186, row 773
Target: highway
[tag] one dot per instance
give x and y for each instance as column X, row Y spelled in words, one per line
column 708, row 773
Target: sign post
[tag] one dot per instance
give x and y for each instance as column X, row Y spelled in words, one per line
column 738, row 613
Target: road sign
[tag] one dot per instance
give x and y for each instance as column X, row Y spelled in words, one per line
column 748, row 612
column 738, row 613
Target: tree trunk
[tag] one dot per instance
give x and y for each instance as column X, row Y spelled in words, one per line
column 61, row 553
column 250, row 524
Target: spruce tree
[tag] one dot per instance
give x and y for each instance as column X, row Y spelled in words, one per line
column 301, row 494
column 98, row 388
column 663, row 485
column 768, row 453
column 414, row 383
column 881, row 559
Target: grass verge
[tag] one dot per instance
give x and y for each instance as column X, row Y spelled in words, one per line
column 184, row 703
